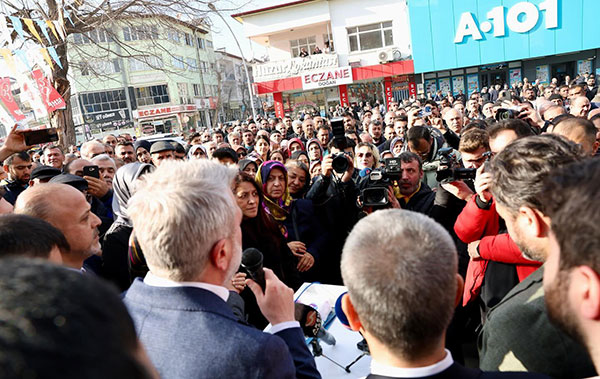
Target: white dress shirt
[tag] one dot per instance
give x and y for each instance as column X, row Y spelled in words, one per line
column 222, row 292
column 413, row 372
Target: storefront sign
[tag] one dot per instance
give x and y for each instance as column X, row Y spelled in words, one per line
column 431, row 86
column 149, row 113
column 343, row 89
column 119, row 115
column 444, row 85
column 458, row 85
column 542, row 73
column 450, row 34
column 206, row 103
column 293, row 67
column 584, row 67
column 389, row 94
column 412, row 88
column 472, row 83
column 278, row 104
column 327, row 78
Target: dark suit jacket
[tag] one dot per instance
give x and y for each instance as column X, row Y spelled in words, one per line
column 456, row 371
column 190, row 332
column 519, row 334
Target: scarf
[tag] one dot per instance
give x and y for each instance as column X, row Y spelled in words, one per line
column 278, row 208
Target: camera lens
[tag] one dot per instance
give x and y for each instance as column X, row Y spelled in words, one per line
column 340, row 163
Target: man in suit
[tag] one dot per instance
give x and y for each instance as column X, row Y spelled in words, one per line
column 403, row 296
column 187, row 223
column 518, row 335
column 572, row 275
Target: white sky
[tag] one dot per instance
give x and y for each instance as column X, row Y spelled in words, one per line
column 222, row 36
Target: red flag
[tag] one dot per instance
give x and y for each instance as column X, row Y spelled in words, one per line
column 50, row 96
column 9, row 101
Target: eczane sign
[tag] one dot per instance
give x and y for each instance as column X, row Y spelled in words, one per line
column 327, row 78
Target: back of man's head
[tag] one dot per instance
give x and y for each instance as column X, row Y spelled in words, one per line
column 57, row 323
column 404, row 291
column 27, row 236
column 473, row 140
column 179, row 212
column 520, row 128
column 519, row 171
column 578, row 130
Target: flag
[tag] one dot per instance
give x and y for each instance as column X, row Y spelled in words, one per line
column 4, row 32
column 16, row 23
column 51, row 26
column 9, row 101
column 50, row 96
column 31, row 27
column 6, row 119
column 54, row 56
column 44, row 28
column 59, row 27
column 23, row 57
column 47, row 58
column 8, row 58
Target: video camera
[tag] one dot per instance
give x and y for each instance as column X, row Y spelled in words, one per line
column 450, row 169
column 375, row 193
column 340, row 161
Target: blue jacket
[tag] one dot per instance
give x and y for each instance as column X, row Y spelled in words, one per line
column 190, row 332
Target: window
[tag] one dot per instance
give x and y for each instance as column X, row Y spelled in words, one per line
column 145, row 62
column 308, row 43
column 93, row 36
column 152, row 95
column 178, row 62
column 140, row 33
column 174, row 35
column 201, row 43
column 192, row 64
column 197, row 89
column 368, row 37
column 328, row 38
column 100, row 67
column 209, row 44
column 103, row 101
column 203, row 66
column 188, row 39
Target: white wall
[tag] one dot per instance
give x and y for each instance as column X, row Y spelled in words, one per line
column 279, row 44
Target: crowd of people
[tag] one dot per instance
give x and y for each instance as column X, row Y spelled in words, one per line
column 449, row 220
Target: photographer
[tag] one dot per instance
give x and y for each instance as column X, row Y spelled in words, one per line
column 427, row 147
column 334, row 197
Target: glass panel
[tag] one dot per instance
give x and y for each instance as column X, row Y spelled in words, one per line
column 351, row 30
column 312, row 39
column 122, row 104
column 294, row 43
column 370, row 40
column 387, row 24
column 388, row 37
column 353, row 43
column 105, row 107
column 97, row 108
column 366, row 28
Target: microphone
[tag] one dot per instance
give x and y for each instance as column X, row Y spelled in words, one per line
column 311, row 323
column 339, row 312
column 252, row 262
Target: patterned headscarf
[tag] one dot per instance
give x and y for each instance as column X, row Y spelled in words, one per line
column 278, row 208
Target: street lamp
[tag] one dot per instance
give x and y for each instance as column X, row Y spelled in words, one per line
column 214, row 9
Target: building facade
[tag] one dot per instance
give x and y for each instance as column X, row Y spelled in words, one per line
column 147, row 75
column 465, row 45
column 323, row 53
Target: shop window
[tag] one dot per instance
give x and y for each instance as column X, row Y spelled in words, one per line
column 145, row 62
column 296, row 45
column 152, row 95
column 369, row 37
column 102, row 101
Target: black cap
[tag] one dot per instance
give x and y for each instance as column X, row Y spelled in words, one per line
column 44, row 172
column 555, row 96
column 159, row 146
column 75, row 181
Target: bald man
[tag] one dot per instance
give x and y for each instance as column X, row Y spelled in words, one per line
column 580, row 106
column 454, row 120
column 92, row 148
column 580, row 131
column 66, row 209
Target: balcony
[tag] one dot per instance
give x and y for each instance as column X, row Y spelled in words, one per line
column 293, row 67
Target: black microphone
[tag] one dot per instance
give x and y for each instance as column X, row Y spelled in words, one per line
column 252, row 262
column 311, row 323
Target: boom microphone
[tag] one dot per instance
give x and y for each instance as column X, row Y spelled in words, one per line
column 252, row 262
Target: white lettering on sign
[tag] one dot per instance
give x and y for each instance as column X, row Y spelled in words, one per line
column 520, row 18
column 327, row 78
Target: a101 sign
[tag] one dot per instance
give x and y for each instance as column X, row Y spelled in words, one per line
column 520, row 18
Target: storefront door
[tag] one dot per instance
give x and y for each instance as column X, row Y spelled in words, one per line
column 561, row 70
column 490, row 78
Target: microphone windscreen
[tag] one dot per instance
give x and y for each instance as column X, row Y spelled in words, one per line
column 339, row 312
column 364, row 172
column 251, row 257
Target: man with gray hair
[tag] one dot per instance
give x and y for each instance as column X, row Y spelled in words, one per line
column 92, row 148
column 403, row 296
column 180, row 308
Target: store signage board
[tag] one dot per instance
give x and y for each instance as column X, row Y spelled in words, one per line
column 293, row 67
column 327, row 78
column 149, row 113
column 461, row 33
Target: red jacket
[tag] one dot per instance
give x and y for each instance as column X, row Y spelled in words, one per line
column 477, row 224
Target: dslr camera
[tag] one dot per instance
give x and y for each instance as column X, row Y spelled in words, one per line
column 375, row 193
column 506, row 114
column 450, row 169
column 340, row 162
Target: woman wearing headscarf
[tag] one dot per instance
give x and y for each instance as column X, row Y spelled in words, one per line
column 303, row 232
column 295, row 144
column 300, row 156
column 314, row 150
column 248, row 166
column 116, row 241
column 142, row 151
column 261, row 232
column 197, row 152
column 298, row 179
column 397, row 146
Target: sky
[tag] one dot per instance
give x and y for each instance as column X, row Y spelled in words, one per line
column 222, row 36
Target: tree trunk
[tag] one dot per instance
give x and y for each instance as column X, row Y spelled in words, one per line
column 62, row 119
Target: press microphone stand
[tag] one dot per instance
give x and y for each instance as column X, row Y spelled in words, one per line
column 317, row 351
